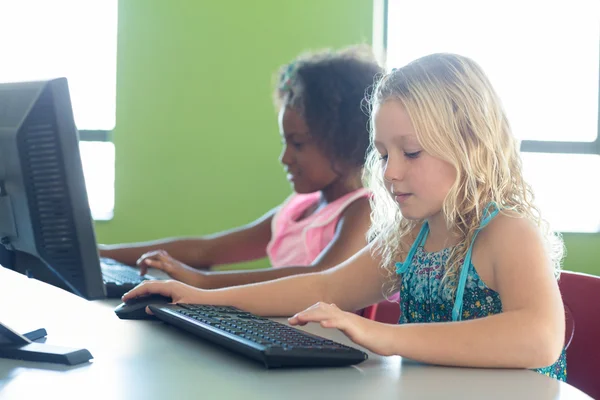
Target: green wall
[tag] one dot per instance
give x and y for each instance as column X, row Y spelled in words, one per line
column 196, row 136
column 583, row 252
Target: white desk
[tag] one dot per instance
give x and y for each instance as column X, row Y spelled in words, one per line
column 150, row 360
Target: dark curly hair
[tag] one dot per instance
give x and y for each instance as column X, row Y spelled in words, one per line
column 328, row 88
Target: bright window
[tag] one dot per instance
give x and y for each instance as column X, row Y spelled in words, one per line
column 542, row 57
column 76, row 39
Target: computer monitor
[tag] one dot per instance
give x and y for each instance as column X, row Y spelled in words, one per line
column 46, row 226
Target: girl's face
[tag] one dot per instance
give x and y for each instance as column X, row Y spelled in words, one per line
column 416, row 180
column 308, row 168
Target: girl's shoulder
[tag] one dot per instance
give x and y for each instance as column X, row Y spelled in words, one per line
column 507, row 234
column 509, row 227
column 507, row 238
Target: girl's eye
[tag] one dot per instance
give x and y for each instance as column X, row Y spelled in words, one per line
column 412, row 155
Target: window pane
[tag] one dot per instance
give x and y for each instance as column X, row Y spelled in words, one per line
column 98, row 160
column 72, row 38
column 566, row 188
column 541, row 56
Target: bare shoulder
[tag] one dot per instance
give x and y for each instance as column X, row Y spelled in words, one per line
column 509, row 230
column 358, row 207
column 356, row 214
column 507, row 244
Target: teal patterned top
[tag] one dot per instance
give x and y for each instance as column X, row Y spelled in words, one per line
column 423, row 299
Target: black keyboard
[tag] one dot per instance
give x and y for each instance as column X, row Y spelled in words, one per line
column 120, row 278
column 269, row 342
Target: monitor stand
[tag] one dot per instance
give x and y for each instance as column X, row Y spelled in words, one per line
column 23, row 347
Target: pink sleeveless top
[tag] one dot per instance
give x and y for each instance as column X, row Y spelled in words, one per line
column 295, row 243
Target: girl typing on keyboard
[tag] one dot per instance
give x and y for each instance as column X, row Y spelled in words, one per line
column 323, row 121
column 454, row 230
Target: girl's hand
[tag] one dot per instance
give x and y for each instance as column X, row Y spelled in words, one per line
column 178, row 292
column 160, row 259
column 330, row 316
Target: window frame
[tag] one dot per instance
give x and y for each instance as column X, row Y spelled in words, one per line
column 86, row 135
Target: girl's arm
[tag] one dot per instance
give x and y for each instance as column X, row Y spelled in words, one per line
column 353, row 284
column 245, row 243
column 350, row 237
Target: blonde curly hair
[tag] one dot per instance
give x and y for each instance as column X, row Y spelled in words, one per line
column 458, row 118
